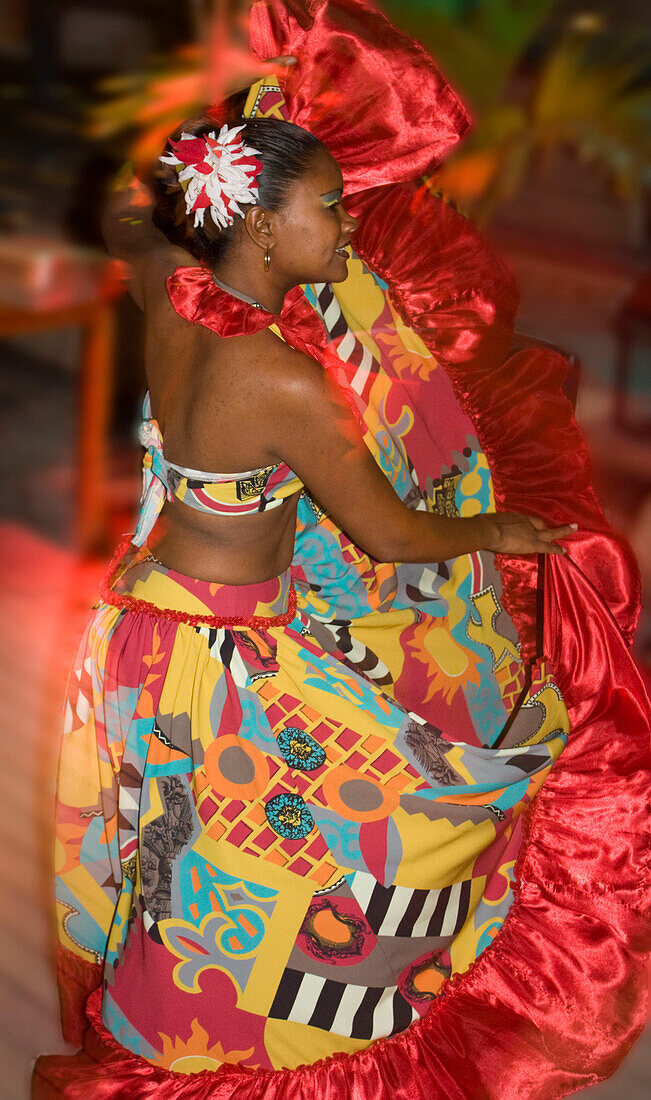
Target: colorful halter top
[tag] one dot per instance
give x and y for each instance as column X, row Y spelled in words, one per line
column 219, row 494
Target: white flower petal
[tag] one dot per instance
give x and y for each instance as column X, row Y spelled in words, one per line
column 226, row 184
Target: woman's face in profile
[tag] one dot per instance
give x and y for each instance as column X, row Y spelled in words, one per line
column 313, row 228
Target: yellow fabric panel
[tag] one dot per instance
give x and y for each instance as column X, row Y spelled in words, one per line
column 294, row 894
column 456, row 848
column 94, row 898
column 286, row 1043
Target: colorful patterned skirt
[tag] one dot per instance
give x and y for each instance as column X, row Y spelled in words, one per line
column 271, row 858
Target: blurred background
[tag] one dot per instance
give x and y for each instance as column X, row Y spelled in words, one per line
column 556, row 172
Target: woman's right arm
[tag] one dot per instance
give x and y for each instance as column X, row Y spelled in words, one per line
column 127, row 226
column 130, row 234
column 314, row 431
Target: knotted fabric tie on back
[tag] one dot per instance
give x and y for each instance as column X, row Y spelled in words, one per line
column 154, row 488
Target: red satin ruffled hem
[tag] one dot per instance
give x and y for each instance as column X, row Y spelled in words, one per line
column 554, row 1003
column 460, row 299
column 386, row 113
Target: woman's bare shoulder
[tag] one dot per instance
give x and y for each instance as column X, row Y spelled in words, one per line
column 159, row 263
column 259, row 372
column 273, row 379
column 267, row 355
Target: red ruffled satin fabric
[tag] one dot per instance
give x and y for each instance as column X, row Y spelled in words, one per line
column 556, row 1001
column 372, row 95
column 197, row 298
column 558, row 998
column 382, row 107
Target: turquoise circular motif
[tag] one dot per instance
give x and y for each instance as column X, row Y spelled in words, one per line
column 300, row 750
column 289, row 816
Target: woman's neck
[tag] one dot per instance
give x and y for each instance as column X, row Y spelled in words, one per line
column 259, row 286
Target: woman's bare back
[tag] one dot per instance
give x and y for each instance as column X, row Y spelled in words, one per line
column 214, row 403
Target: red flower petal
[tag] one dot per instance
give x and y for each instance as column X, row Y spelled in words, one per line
column 189, row 150
column 202, row 202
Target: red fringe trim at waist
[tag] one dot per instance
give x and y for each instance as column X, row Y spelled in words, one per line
column 127, row 602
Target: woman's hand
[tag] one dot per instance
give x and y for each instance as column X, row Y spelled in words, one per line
column 514, row 533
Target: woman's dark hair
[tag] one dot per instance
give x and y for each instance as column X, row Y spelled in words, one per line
column 286, row 152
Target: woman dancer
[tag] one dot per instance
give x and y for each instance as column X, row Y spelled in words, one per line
column 485, row 1013
column 221, row 752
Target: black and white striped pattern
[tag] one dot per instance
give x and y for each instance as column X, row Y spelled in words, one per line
column 400, row 911
column 361, row 657
column 358, row 1011
column 349, row 349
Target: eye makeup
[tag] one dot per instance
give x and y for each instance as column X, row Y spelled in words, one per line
column 332, row 198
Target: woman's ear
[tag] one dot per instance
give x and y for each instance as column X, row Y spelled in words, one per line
column 258, row 223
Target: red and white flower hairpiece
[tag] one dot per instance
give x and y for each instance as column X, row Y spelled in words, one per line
column 217, row 173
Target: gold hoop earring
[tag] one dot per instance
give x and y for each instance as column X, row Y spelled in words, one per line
column 267, row 259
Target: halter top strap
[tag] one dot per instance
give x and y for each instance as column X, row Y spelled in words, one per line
column 244, row 493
